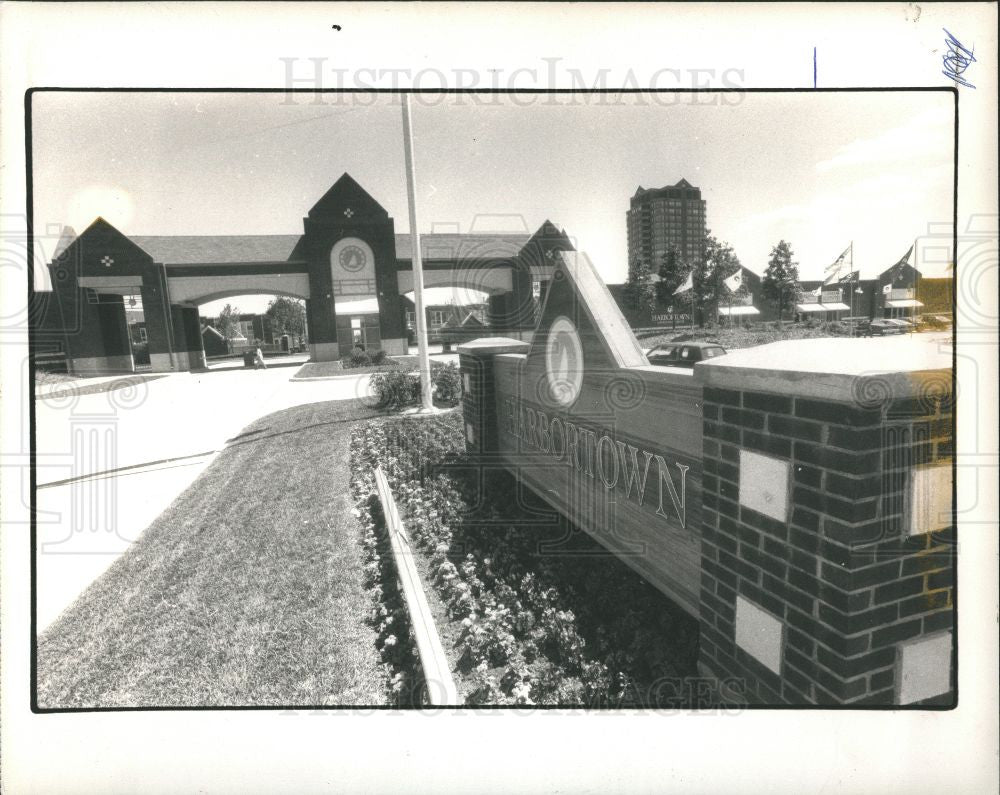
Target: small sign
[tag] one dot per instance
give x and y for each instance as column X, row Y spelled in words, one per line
column 764, row 484
column 669, row 318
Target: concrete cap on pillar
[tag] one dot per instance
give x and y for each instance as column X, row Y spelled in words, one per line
column 839, row 369
column 492, row 346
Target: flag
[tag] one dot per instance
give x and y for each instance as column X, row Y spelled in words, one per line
column 897, row 269
column 886, row 289
column 688, row 284
column 853, row 276
column 735, row 281
column 818, row 291
column 832, row 271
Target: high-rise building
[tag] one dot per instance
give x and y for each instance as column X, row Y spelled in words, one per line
column 659, row 218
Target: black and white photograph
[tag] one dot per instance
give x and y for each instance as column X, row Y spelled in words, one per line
column 765, row 373
column 628, row 398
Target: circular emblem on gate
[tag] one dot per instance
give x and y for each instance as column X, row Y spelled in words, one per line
column 564, row 361
column 352, row 258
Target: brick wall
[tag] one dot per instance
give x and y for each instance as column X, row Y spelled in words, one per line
column 846, row 598
column 479, row 391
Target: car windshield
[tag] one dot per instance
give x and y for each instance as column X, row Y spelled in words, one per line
column 710, row 352
column 666, row 350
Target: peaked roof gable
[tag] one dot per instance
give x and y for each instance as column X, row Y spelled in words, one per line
column 97, row 237
column 345, row 200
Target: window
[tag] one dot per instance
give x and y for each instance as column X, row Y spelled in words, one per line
column 357, row 333
column 437, row 317
column 142, row 333
column 685, row 353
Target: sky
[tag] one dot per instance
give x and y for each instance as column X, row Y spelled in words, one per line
column 820, row 170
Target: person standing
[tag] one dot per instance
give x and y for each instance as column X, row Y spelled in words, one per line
column 258, row 361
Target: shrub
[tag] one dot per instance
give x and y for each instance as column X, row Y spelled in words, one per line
column 447, row 381
column 395, row 389
column 360, row 358
column 378, row 357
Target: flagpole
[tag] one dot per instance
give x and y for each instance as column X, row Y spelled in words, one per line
column 913, row 317
column 850, row 286
column 426, row 400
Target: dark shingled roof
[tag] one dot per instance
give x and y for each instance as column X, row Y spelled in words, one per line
column 226, row 249
column 216, row 249
column 497, row 245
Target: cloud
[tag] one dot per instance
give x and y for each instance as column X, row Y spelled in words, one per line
column 924, row 135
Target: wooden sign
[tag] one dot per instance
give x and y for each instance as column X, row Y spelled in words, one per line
column 610, row 441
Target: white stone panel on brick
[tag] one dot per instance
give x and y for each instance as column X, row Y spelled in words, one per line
column 467, row 382
column 764, row 484
column 924, row 668
column 470, row 433
column 929, row 499
column 759, row 634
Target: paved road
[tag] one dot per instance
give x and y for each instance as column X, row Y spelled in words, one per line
column 110, row 463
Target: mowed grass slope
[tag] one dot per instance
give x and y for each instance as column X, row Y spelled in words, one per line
column 246, row 591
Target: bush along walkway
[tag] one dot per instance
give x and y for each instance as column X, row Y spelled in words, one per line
column 525, row 626
column 246, row 591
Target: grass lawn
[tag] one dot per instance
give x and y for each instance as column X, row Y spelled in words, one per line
column 738, row 337
column 45, row 377
column 246, row 591
column 75, row 386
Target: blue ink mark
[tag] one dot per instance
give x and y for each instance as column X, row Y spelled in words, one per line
column 814, row 67
column 958, row 59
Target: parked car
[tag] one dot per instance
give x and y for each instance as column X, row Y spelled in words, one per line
column 684, row 354
column 880, row 327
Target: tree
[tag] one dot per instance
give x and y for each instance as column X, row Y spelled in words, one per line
column 672, row 273
column 721, row 264
column 639, row 293
column 228, row 324
column 288, row 316
column 702, row 288
column 780, row 284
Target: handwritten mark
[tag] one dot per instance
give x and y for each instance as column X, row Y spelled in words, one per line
column 957, row 60
column 814, row 67
column 335, row 27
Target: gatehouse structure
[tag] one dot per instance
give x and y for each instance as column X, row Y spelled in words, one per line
column 795, row 498
column 349, row 266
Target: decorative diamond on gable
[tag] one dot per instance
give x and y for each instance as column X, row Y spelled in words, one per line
column 107, row 261
column 348, row 212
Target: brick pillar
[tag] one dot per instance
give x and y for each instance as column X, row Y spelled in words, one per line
column 189, row 353
column 478, row 393
column 828, row 538
column 159, row 328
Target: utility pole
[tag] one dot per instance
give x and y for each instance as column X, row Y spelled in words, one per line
column 426, row 400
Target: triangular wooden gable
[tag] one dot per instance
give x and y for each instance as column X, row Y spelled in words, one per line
column 577, row 293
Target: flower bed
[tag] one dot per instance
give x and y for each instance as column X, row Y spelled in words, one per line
column 570, row 626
